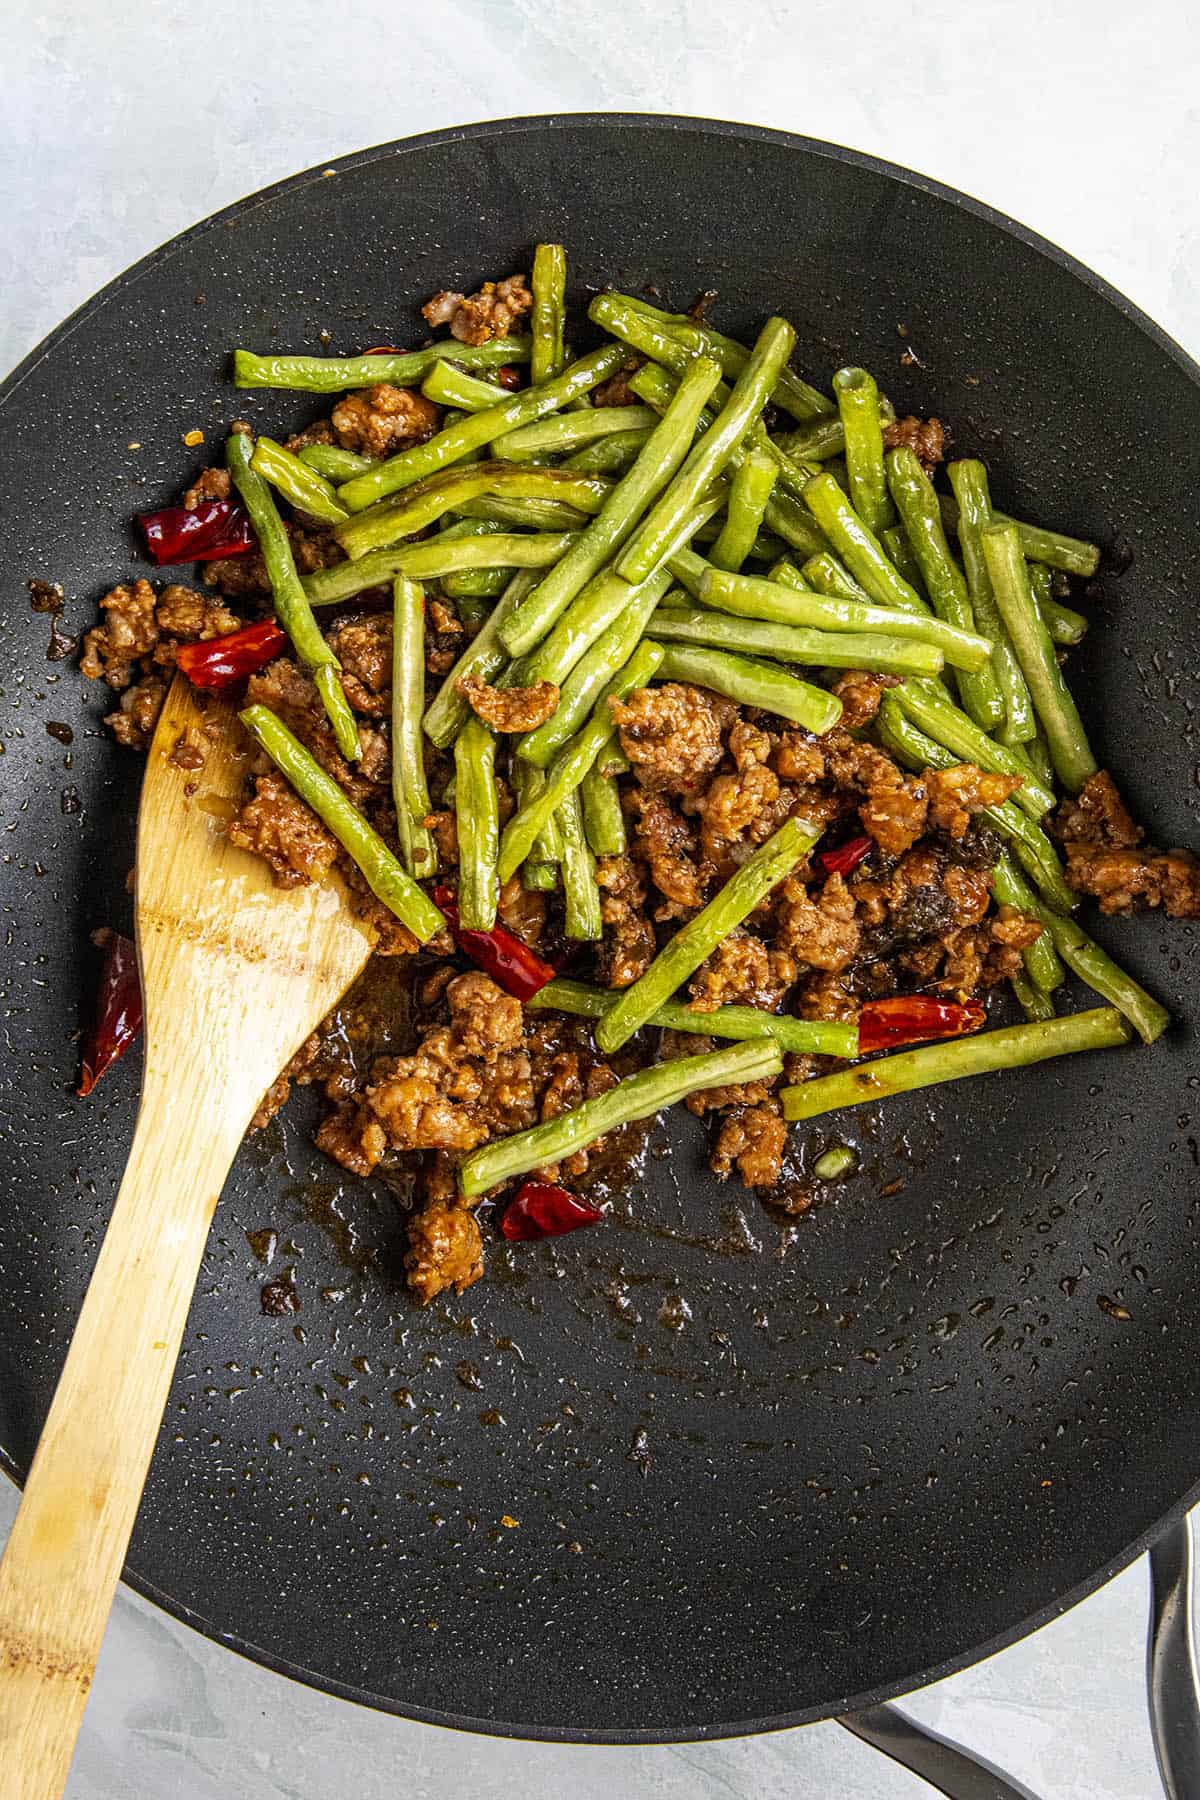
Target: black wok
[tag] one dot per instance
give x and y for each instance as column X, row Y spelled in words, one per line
column 890, row 1437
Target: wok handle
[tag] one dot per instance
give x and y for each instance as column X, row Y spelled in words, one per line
column 945, row 1766
column 1171, row 1678
column 72, row 1530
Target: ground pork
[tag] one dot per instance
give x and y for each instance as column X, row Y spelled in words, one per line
column 130, row 631
column 245, row 576
column 958, row 792
column 741, row 807
column 491, row 313
column 672, row 734
column 742, row 972
column 616, row 391
column 319, row 432
column 821, row 932
column 135, row 718
column 1106, row 858
column 755, row 1139
column 522, row 910
column 666, row 843
column 894, row 813
column 364, row 649
column 277, row 825
column 193, row 617
column 380, row 420
column 926, row 436
column 513, row 709
column 210, row 484
column 628, row 934
column 288, row 691
column 1098, row 815
column 445, row 1249
column 860, row 694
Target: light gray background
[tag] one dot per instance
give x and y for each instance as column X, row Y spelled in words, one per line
column 123, row 124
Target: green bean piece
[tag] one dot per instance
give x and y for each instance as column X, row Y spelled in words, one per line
column 969, row 480
column 682, row 955
column 1030, row 844
column 917, row 504
column 449, row 385
column 477, row 817
column 292, row 607
column 361, row 842
column 882, row 655
column 1054, row 548
column 300, row 485
column 581, row 894
column 586, row 680
column 749, row 492
column 434, row 559
column 548, row 317
column 741, row 1023
column 897, row 547
column 1066, row 626
column 454, row 442
column 711, row 454
column 789, row 602
column 603, row 820
column 859, row 548
column 1033, row 1002
column 1038, row 751
column 835, row 1162
column 410, row 789
column 334, row 374
column 1042, row 961
column 818, row 441
column 639, row 1096
column 1059, row 716
column 470, row 583
column 484, row 657
column 858, row 407
column 455, row 489
column 527, row 514
column 332, row 462
column 753, row 683
column 826, row 575
column 614, row 454
column 1012, row 1047
column 950, row 726
column 539, row 872
column 574, row 760
column 567, row 432
column 665, row 450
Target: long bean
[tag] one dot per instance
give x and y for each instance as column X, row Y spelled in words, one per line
column 798, row 1036
column 1033, row 1002
column 897, row 547
column 1012, row 1047
column 334, row 463
column 449, row 385
column 859, row 548
column 427, row 501
column 917, row 504
column 952, row 727
column 334, row 374
column 1065, row 625
column 1042, row 961
column 749, row 492
column 548, row 318
column 1069, row 749
column 637, row 1097
column 665, row 450
column 682, row 955
column 883, row 655
column 581, row 895
column 539, row 872
column 588, row 677
column 712, row 452
column 858, row 408
column 292, row 607
column 826, row 575
column 477, row 816
column 568, row 432
column 454, row 442
column 574, row 760
column 383, row 873
column 969, row 480
column 472, row 584
column 1030, row 844
column 789, row 602
column 603, row 820
column 484, row 657
column 614, row 454
column 431, row 560
column 1054, row 548
column 299, row 484
column 410, row 789
column 753, row 683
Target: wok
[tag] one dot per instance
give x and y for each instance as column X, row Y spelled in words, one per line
column 875, row 1442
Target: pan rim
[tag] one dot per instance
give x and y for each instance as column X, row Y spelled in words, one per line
column 903, row 177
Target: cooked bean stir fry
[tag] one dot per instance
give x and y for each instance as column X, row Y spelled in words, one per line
column 685, row 730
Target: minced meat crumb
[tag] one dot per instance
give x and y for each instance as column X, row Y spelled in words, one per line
column 672, row 734
column 755, row 1139
column 513, row 709
column 445, row 1249
column 277, row 825
column 380, row 420
column 130, row 631
column 926, row 436
column 491, row 313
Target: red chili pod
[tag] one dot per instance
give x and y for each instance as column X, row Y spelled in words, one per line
column 843, row 859
column 221, row 663
column 519, row 971
column 197, row 533
column 915, row 1019
column 541, row 1210
column 508, row 375
column 118, row 1014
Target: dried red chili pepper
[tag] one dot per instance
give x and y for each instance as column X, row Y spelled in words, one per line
column 508, row 375
column 915, row 1019
column 197, row 533
column 223, row 662
column 118, row 1015
column 844, row 858
column 504, row 957
column 541, row 1210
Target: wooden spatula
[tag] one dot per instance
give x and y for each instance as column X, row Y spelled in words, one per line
column 235, row 974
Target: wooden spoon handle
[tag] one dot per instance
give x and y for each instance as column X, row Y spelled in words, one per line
column 64, row 1558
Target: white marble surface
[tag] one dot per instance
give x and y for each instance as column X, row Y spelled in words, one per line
column 121, row 125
